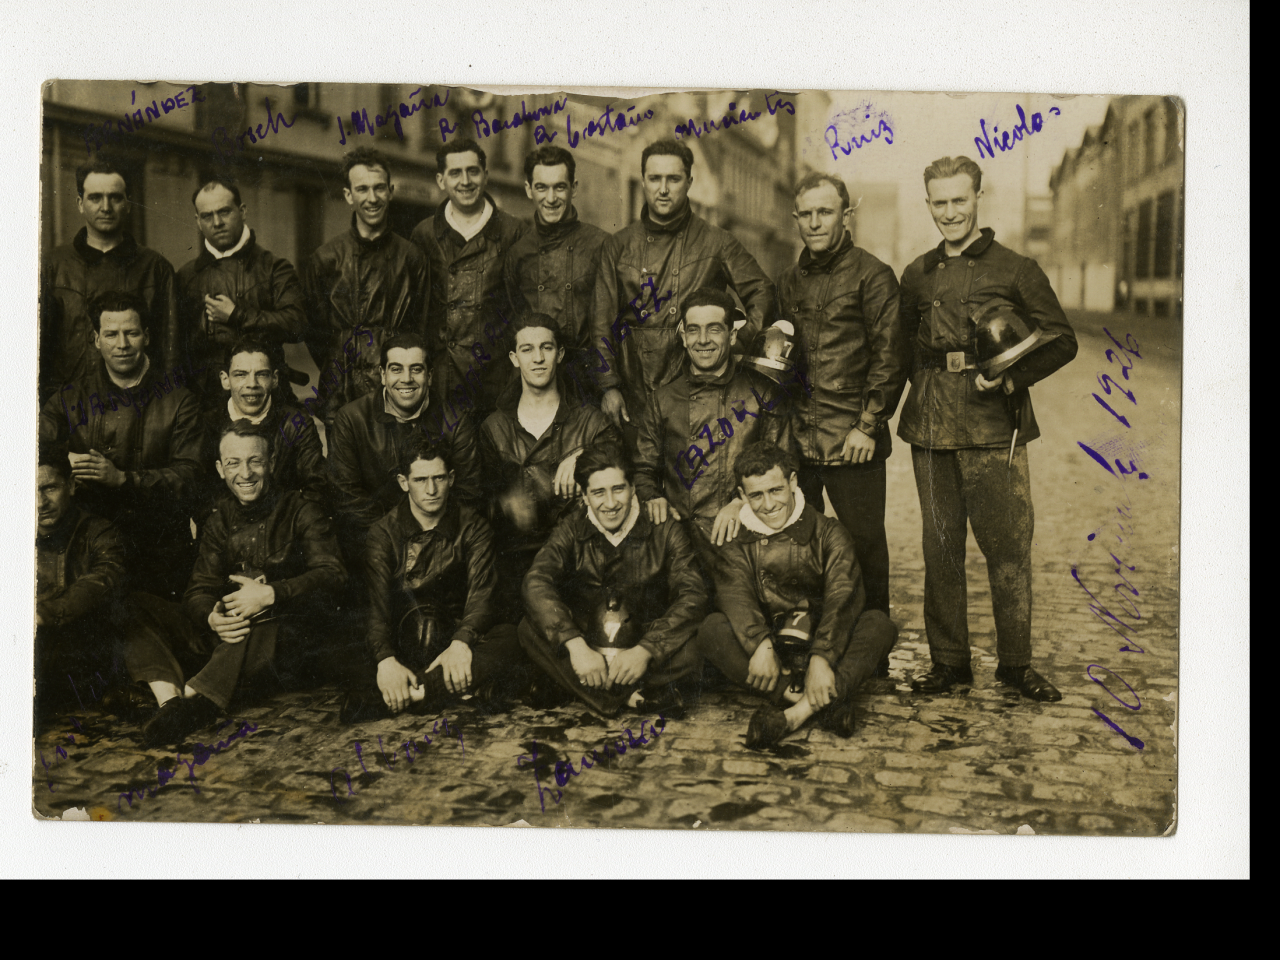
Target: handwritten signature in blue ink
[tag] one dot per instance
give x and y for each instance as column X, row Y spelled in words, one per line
column 391, row 760
column 1005, row 141
column 94, row 137
column 564, row 768
column 200, row 755
column 486, row 127
column 360, row 122
column 225, row 147
column 743, row 116
column 643, row 308
column 1128, row 349
column 859, row 127
column 94, row 406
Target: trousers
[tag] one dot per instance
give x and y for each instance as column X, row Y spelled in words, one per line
column 857, row 492
column 872, row 638
column 553, row 660
column 976, row 485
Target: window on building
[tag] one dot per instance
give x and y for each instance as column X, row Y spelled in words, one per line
column 1130, row 234
column 1134, row 153
column 1140, row 307
column 388, row 100
column 306, row 95
column 1142, row 261
column 1148, row 141
column 1160, row 308
column 1162, row 264
column 1171, row 131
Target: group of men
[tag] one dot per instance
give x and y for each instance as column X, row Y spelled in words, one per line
column 552, row 468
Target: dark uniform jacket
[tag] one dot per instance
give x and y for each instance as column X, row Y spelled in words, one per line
column 448, row 569
column 79, row 568
column 646, row 272
column 295, row 451
column 367, row 446
column 944, row 410
column 269, row 306
column 468, row 297
column 849, row 345
column 152, row 432
column 653, row 569
column 510, row 456
column 360, row 293
column 693, row 430
column 807, row 565
column 282, row 536
column 76, row 273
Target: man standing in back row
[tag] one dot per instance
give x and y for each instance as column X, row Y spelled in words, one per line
column 960, row 427
column 648, row 269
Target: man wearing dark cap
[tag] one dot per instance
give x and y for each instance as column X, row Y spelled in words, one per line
column 960, row 426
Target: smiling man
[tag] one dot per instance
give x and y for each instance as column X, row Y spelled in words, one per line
column 233, row 289
column 960, row 427
column 697, row 425
column 529, row 446
column 791, row 598
column 465, row 243
column 259, row 602
column 362, row 288
column 840, row 304
column 668, row 253
column 552, row 268
column 613, row 598
column 102, row 257
column 133, row 437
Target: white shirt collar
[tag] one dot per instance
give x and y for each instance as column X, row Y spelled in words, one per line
column 130, row 384
column 756, row 525
column 235, row 414
column 621, row 533
column 468, row 231
column 223, row 254
column 394, row 411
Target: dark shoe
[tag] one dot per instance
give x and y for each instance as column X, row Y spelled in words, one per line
column 545, row 694
column 179, row 718
column 1029, row 683
column 132, row 702
column 882, row 669
column 941, row 678
column 666, row 702
column 360, row 706
column 839, row 718
column 767, row 728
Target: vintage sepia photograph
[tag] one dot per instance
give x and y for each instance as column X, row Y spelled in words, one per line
column 756, row 459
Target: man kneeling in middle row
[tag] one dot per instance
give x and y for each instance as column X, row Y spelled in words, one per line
column 792, row 601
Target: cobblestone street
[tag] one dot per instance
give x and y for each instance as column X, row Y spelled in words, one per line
column 1103, row 761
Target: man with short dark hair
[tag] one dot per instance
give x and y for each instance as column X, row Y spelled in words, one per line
column 362, row 287
column 371, row 436
column 528, row 448
column 250, row 383
column 102, row 257
column 233, row 289
column 134, row 438
column 840, row 304
column 465, row 243
column 80, row 562
column 430, row 571
column 552, row 268
column 694, row 427
column 647, row 270
column 961, row 425
column 258, row 604
column 613, row 598
column 791, row 577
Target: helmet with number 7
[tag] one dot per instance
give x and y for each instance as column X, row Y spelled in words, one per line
column 1004, row 336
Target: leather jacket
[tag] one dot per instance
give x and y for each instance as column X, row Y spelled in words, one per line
column 152, row 432
column 850, row 346
column 809, row 564
column 646, row 272
column 944, row 410
column 284, row 537
column 653, row 567
column 298, row 460
column 509, row 454
column 366, row 448
column 448, row 569
column 360, row 293
column 269, row 306
column 468, row 296
column 85, row 560
column 689, row 419
column 72, row 276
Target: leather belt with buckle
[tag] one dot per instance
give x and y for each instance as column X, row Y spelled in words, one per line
column 956, row 362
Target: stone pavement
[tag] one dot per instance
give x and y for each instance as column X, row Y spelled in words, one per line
column 980, row 761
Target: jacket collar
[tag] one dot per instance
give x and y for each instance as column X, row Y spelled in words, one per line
column 552, row 232
column 509, row 400
column 64, row 530
column 823, row 262
column 148, row 379
column 126, row 250
column 206, row 256
column 640, row 530
column 384, row 237
column 800, row 529
column 449, row 526
column 696, row 379
column 675, row 227
column 976, row 249
column 260, row 509
column 491, row 231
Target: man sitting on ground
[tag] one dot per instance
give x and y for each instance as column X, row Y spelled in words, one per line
column 789, row 591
